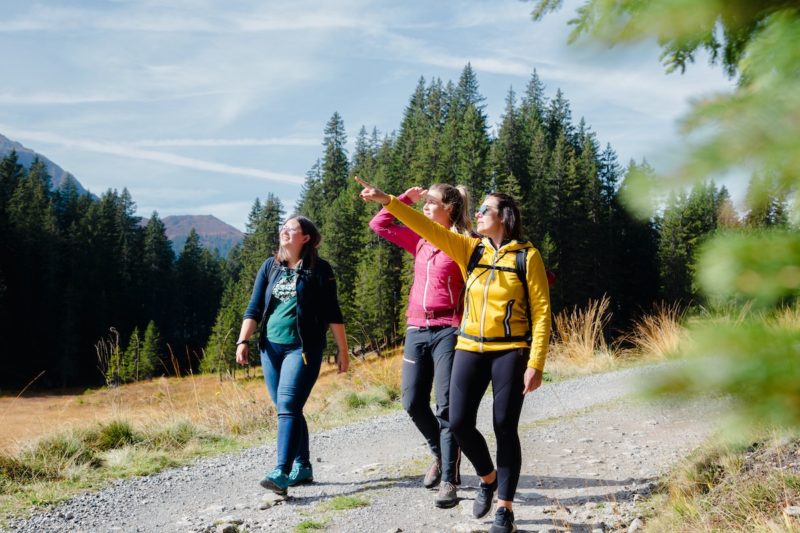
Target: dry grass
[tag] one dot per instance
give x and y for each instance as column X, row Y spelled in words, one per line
column 224, row 406
column 737, row 488
column 374, row 382
column 657, row 336
column 579, row 346
column 787, row 317
column 56, row 445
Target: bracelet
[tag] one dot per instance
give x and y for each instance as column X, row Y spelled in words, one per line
column 242, row 342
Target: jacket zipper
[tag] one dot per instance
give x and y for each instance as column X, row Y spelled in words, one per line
column 449, row 290
column 489, row 279
column 425, row 290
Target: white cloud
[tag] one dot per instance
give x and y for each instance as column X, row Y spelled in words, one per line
column 149, row 155
column 195, row 17
column 268, row 141
column 52, row 98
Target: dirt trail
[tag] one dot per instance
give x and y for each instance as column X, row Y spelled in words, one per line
column 590, row 448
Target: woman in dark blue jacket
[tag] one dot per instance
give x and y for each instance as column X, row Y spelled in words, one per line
column 294, row 298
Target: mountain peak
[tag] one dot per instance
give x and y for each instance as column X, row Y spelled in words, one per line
column 213, row 232
column 26, row 157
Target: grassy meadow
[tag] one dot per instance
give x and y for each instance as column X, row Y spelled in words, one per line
column 52, row 446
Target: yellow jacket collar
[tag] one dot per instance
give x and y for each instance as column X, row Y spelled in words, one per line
column 510, row 246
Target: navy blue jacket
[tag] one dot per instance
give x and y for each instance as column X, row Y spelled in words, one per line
column 317, row 303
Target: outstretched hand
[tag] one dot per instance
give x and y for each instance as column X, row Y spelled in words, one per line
column 371, row 192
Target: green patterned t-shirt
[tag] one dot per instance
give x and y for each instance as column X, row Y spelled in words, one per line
column 282, row 322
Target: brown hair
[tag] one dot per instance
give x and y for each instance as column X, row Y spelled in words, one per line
column 458, row 199
column 308, row 254
column 509, row 215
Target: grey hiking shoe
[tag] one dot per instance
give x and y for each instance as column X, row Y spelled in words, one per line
column 447, row 496
column 433, row 475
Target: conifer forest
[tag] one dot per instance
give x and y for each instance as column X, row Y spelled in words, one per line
column 90, row 294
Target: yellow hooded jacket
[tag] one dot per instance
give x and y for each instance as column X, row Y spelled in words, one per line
column 495, row 311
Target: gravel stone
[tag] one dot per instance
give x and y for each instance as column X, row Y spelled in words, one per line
column 382, row 460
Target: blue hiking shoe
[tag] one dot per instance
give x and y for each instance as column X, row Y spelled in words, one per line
column 276, row 481
column 300, row 474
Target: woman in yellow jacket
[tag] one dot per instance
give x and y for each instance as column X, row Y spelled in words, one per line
column 503, row 337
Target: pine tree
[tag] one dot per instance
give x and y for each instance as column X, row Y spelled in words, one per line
column 31, row 268
column 149, row 358
column 200, row 284
column 158, row 262
column 334, row 162
column 465, row 142
column 558, row 119
column 539, row 210
column 472, row 152
column 509, row 154
column 767, row 202
column 532, row 108
column 11, row 172
column 312, row 201
column 131, row 358
column 414, row 148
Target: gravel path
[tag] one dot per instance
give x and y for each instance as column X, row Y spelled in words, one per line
column 590, row 450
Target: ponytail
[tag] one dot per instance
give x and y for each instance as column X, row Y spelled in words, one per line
column 458, row 199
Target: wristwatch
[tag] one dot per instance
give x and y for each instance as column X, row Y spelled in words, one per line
column 242, row 342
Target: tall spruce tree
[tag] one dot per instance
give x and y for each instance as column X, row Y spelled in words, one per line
column 158, row 260
column 260, row 242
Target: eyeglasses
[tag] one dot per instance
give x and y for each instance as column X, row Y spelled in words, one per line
column 289, row 229
column 483, row 209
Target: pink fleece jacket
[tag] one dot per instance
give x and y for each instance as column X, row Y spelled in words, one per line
column 436, row 297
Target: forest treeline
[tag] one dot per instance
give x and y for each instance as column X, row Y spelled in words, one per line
column 74, row 266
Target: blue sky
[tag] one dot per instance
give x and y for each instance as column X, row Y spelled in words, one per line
column 200, row 106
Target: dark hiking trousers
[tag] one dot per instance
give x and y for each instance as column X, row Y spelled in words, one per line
column 428, row 361
column 472, row 373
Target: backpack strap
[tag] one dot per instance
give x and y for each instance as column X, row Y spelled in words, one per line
column 521, row 264
column 477, row 253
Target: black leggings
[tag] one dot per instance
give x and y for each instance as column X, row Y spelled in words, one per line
column 472, row 373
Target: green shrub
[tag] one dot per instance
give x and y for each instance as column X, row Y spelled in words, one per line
column 61, row 450
column 175, row 436
column 13, row 469
column 116, row 434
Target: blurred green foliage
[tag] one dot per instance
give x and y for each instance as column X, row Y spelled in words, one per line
column 752, row 130
column 760, row 266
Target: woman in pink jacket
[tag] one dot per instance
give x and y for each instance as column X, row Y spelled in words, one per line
column 433, row 317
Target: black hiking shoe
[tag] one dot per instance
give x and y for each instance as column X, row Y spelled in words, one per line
column 483, row 499
column 434, row 474
column 503, row 521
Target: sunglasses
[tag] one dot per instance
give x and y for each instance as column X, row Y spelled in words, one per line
column 483, row 209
